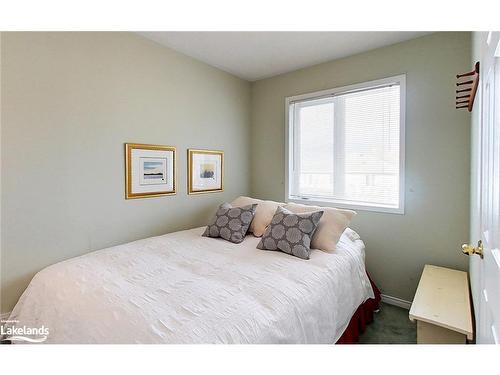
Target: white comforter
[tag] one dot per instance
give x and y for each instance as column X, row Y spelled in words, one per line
column 184, row 288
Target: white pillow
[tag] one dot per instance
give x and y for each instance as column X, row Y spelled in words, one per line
column 263, row 215
column 331, row 226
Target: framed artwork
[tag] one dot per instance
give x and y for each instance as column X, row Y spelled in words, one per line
column 149, row 170
column 205, row 171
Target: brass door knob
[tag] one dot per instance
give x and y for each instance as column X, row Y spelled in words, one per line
column 470, row 250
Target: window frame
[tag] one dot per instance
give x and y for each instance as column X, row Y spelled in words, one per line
column 290, row 140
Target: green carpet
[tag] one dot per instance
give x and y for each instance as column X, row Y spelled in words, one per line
column 390, row 326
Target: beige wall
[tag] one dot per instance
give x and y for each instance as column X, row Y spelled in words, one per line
column 436, row 221
column 70, row 101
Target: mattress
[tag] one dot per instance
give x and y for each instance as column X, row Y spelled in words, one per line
column 182, row 288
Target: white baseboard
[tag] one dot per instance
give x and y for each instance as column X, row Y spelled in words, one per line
column 396, row 301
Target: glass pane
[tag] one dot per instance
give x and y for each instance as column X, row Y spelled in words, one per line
column 372, row 146
column 316, row 147
column 347, row 147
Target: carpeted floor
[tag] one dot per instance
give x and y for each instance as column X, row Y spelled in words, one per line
column 391, row 326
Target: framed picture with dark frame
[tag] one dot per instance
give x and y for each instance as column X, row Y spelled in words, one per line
column 205, row 171
column 149, row 170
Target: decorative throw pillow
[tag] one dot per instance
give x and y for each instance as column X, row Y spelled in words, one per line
column 331, row 226
column 263, row 215
column 231, row 223
column 291, row 233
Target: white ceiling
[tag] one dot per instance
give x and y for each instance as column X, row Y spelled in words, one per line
column 256, row 55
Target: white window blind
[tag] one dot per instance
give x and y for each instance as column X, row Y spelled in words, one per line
column 345, row 146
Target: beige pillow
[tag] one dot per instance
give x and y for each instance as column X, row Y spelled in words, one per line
column 331, row 226
column 263, row 215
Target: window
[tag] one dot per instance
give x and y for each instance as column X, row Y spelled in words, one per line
column 346, row 146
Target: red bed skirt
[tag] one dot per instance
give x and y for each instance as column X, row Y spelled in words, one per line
column 362, row 317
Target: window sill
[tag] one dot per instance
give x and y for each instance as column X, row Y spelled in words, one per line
column 347, row 205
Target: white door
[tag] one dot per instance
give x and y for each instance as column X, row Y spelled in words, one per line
column 488, row 310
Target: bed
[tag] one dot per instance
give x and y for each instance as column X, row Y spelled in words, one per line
column 182, row 288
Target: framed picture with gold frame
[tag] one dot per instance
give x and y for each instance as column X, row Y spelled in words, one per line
column 149, row 170
column 205, row 171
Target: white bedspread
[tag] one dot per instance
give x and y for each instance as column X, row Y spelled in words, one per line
column 184, row 288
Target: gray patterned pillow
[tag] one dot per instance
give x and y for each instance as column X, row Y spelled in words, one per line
column 231, row 223
column 291, row 233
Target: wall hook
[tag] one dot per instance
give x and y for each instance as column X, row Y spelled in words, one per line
column 467, row 101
